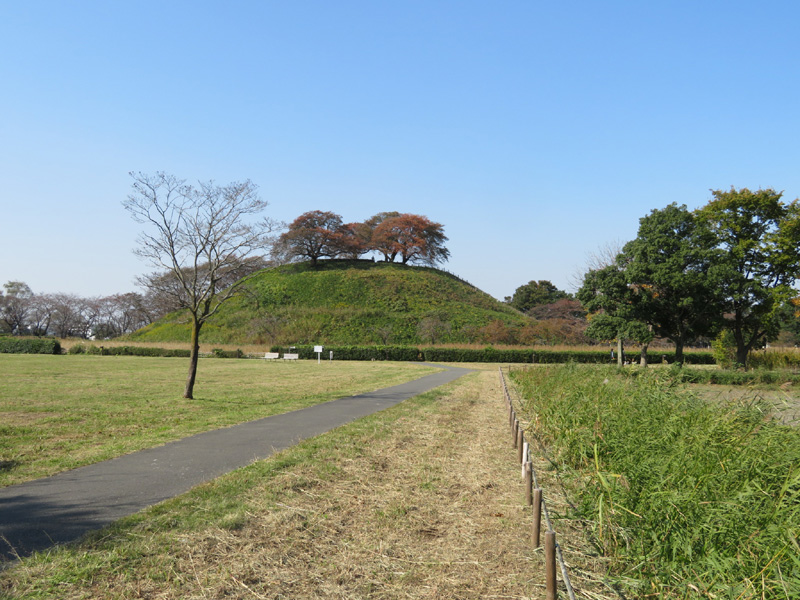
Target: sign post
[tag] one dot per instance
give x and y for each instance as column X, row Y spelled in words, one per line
column 318, row 350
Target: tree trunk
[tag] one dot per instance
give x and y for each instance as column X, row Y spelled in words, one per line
column 643, row 356
column 620, row 350
column 742, row 347
column 679, row 351
column 742, row 351
column 193, row 356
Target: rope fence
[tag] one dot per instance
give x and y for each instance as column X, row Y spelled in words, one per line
column 535, row 499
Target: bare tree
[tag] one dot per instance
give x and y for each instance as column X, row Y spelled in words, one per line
column 41, row 314
column 604, row 256
column 66, row 318
column 198, row 235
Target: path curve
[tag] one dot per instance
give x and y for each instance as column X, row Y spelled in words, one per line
column 60, row 509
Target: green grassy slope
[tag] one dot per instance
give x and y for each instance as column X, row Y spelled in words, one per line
column 346, row 302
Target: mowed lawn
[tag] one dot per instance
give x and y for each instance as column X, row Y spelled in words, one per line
column 62, row 412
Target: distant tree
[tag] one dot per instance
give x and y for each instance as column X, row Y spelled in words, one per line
column 313, row 235
column 415, row 238
column 199, row 235
column 497, row 332
column 564, row 308
column 432, row 329
column 67, row 319
column 560, row 322
column 41, row 312
column 536, row 293
column 758, row 260
column 120, row 314
column 15, row 304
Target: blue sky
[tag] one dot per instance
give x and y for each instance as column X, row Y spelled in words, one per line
column 535, row 132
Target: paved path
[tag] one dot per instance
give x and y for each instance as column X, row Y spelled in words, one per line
column 61, row 508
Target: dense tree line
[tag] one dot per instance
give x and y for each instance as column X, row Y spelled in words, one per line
column 726, row 270
column 67, row 315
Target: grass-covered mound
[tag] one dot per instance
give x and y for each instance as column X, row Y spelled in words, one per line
column 347, row 302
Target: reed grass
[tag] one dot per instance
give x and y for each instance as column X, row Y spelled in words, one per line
column 695, row 499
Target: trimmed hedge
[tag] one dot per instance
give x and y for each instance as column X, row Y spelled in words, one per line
column 129, row 351
column 12, row 345
column 399, row 353
column 486, row 355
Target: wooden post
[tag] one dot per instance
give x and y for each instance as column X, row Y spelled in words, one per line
column 515, row 432
column 528, row 483
column 537, row 517
column 520, row 444
column 550, row 564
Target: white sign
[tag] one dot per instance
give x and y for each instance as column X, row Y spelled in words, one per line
column 317, row 348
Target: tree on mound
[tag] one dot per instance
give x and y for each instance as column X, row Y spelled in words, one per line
column 316, row 234
column 416, row 239
column 200, row 235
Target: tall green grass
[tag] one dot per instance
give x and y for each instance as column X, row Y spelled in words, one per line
column 693, row 498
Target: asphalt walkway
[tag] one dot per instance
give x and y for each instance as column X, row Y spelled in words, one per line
column 61, row 508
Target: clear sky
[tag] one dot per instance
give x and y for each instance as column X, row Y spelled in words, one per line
column 535, row 132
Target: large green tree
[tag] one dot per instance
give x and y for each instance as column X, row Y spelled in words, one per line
column 613, row 307
column 668, row 267
column 757, row 237
column 662, row 279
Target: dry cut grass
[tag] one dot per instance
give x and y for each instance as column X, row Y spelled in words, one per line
column 423, row 500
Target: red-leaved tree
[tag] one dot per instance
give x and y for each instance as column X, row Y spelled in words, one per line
column 313, row 235
column 414, row 238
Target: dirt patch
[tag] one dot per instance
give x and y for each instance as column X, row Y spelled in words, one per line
column 23, row 418
column 783, row 401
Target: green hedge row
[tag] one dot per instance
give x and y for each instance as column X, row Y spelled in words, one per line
column 13, row 345
column 400, row 353
column 488, row 355
column 128, row 351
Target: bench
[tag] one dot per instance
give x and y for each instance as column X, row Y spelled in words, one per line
column 287, row 356
column 272, row 355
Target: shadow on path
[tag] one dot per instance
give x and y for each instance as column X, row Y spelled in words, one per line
column 61, row 508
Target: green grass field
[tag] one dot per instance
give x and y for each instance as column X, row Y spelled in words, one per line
column 62, row 412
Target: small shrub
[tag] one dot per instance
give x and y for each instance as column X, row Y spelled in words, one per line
column 14, row 345
column 220, row 353
column 724, row 349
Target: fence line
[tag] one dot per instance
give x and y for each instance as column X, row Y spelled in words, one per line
column 534, row 497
